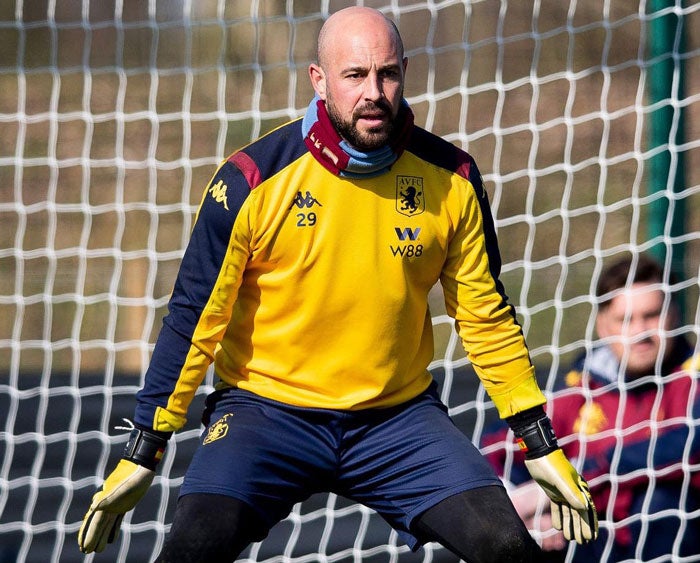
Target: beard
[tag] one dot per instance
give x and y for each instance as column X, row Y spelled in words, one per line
column 370, row 139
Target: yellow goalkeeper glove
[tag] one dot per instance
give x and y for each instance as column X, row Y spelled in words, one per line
column 573, row 511
column 122, row 489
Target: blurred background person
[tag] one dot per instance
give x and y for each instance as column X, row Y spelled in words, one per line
column 628, row 413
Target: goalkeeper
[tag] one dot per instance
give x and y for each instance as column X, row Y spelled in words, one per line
column 306, row 283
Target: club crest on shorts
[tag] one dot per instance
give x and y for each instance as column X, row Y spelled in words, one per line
column 217, row 430
column 410, row 198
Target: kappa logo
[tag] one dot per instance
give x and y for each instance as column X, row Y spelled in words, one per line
column 410, row 197
column 306, row 200
column 217, row 430
column 218, row 192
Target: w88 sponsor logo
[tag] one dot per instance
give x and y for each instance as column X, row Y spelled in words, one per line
column 408, row 242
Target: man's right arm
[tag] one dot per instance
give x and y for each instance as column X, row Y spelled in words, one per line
column 200, row 305
column 199, row 310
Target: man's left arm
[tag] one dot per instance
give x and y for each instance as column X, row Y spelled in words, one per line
column 494, row 342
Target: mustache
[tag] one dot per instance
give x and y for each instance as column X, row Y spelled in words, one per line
column 369, row 107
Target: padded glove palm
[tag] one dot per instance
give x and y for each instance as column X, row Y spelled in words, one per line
column 122, row 489
column 573, row 511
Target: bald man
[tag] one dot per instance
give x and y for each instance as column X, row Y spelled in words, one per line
column 306, row 283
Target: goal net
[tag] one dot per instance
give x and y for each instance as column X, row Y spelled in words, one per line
column 114, row 116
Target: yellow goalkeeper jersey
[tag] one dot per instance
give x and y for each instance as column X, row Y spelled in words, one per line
column 312, row 289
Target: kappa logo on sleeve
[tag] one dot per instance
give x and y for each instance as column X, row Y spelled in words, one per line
column 217, row 430
column 218, row 192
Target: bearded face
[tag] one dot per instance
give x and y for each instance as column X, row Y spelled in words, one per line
column 370, row 126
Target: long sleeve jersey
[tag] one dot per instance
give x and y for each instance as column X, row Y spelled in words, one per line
column 312, row 289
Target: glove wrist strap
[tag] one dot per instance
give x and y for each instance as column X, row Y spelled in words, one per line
column 534, row 433
column 144, row 448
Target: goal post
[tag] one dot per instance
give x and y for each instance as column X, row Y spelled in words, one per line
column 113, row 117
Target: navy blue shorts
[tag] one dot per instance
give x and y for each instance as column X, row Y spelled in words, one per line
column 399, row 461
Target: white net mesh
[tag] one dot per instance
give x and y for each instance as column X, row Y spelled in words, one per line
column 113, row 117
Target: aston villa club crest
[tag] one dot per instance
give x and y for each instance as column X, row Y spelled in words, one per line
column 217, row 430
column 410, row 197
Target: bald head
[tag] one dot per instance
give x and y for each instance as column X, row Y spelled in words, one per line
column 356, row 21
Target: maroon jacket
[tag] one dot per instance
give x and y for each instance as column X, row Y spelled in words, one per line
column 628, row 436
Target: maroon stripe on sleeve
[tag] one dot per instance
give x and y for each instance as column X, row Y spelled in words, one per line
column 247, row 167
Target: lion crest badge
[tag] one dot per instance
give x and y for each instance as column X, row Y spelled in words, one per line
column 217, row 430
column 410, row 195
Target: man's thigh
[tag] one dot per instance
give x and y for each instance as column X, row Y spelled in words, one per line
column 262, row 453
column 212, row 529
column 404, row 461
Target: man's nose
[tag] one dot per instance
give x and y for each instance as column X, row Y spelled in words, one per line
column 636, row 326
column 373, row 87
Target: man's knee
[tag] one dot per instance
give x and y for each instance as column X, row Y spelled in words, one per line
column 481, row 526
column 513, row 546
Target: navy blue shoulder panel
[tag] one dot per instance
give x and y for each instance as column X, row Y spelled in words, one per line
column 439, row 152
column 205, row 256
column 270, row 153
column 226, row 193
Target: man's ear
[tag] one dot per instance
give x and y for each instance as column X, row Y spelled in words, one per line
column 318, row 80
